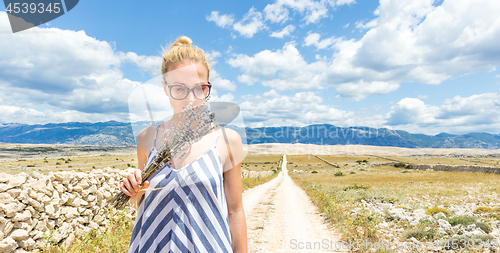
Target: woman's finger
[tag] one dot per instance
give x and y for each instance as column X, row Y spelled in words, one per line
column 138, row 175
column 128, row 187
column 133, row 182
column 125, row 190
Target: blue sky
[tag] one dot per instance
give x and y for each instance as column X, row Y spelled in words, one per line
column 420, row 66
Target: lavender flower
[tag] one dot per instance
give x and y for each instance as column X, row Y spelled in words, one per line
column 196, row 122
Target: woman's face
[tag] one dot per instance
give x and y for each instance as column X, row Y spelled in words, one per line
column 188, row 74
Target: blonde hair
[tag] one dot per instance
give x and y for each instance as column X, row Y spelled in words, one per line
column 181, row 50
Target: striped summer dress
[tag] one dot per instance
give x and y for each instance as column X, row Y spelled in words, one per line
column 190, row 215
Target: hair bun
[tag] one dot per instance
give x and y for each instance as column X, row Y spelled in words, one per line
column 183, row 41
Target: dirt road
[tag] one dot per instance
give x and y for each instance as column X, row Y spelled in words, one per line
column 281, row 218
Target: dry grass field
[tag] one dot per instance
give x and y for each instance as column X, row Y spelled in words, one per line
column 17, row 158
column 356, row 197
column 359, row 198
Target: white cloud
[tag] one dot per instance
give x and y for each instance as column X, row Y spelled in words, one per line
column 20, row 114
column 346, row 25
column 283, row 33
column 271, row 93
column 221, row 20
column 361, row 25
column 476, row 113
column 284, row 69
column 428, row 44
column 211, row 56
column 344, row 2
column 54, row 75
column 411, row 111
column 251, row 23
column 314, row 39
column 224, row 98
column 220, row 83
column 276, row 13
column 151, row 64
column 313, row 11
column 361, row 90
column 303, row 108
column 408, row 41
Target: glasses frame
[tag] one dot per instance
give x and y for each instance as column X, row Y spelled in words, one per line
column 189, row 90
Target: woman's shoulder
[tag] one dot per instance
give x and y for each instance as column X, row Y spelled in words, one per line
column 231, row 135
column 146, row 136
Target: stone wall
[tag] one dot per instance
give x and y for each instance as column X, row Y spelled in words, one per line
column 61, row 206
column 445, row 167
column 465, row 168
column 250, row 173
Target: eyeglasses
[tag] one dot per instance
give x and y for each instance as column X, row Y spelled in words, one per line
column 180, row 92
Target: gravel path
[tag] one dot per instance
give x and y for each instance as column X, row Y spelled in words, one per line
column 281, row 218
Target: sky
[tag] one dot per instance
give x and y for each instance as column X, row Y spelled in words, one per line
column 420, row 66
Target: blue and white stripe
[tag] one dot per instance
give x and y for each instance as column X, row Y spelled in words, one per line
column 190, row 215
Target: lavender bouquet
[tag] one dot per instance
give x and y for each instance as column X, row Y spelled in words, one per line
column 196, row 122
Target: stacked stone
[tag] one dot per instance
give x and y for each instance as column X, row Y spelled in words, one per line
column 61, row 206
column 250, row 173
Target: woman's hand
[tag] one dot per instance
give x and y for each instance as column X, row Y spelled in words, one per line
column 130, row 186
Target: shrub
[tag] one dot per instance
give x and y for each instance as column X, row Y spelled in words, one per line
column 466, row 220
column 495, row 216
column 482, row 209
column 356, row 187
column 425, row 222
column 314, row 172
column 435, row 210
column 420, row 234
column 399, row 165
column 58, row 163
column 339, row 174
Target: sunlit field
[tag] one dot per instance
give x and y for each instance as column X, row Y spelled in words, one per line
column 115, row 238
column 358, row 198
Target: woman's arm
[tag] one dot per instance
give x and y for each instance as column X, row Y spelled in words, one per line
column 233, row 191
column 130, row 185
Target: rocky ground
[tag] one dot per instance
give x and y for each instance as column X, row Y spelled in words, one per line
column 397, row 221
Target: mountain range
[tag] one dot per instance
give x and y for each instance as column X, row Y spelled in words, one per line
column 113, row 133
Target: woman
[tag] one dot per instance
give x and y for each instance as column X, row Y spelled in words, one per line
column 195, row 204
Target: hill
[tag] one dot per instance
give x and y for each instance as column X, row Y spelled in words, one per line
column 113, row 133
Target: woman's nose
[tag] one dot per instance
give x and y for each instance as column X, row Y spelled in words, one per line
column 190, row 97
